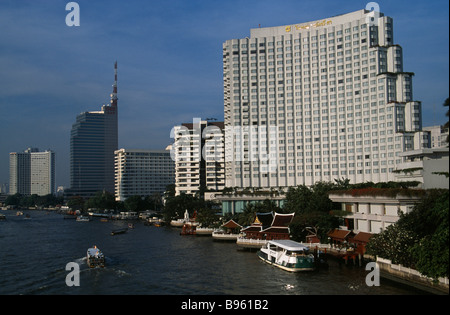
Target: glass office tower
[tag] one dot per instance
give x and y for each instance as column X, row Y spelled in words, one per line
column 93, row 140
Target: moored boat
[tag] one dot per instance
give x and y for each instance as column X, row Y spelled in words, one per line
column 119, row 231
column 95, row 257
column 287, row 255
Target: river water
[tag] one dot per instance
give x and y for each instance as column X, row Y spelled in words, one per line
column 150, row 260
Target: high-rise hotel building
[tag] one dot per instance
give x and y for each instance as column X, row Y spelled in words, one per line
column 93, row 140
column 317, row 101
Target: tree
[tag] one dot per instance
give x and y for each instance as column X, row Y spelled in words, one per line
column 135, row 204
column 431, row 254
column 419, row 239
column 13, row 200
column 393, row 243
column 76, row 203
column 102, row 200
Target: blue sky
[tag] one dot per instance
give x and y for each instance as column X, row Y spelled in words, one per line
column 170, row 63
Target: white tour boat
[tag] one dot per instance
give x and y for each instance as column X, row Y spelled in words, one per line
column 287, row 255
column 95, row 258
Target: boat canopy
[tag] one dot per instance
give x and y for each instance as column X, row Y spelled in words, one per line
column 289, row 245
column 94, row 252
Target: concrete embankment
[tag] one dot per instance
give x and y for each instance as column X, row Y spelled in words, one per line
column 393, row 272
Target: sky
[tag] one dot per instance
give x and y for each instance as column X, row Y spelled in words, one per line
column 169, row 56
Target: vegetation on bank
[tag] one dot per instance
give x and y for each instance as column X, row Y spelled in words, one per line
column 419, row 239
column 25, row 201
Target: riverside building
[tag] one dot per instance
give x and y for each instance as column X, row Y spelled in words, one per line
column 199, row 155
column 317, row 101
column 93, row 140
column 142, row 172
column 32, row 172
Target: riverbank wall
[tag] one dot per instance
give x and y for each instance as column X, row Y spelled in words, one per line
column 388, row 270
column 412, row 277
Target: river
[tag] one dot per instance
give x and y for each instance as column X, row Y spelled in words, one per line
column 150, row 260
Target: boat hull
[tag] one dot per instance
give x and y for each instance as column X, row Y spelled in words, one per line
column 305, row 264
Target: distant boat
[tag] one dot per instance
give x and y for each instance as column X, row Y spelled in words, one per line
column 82, row 218
column 130, row 225
column 18, row 213
column 287, row 255
column 2, row 217
column 95, row 258
column 119, row 231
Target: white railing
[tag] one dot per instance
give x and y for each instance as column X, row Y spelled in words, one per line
column 409, row 270
column 243, row 240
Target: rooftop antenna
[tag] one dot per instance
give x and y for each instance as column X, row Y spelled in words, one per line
column 114, row 93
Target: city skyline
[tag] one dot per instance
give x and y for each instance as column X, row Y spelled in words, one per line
column 170, row 57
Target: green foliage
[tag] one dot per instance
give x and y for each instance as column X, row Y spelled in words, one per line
column 393, row 243
column 312, row 208
column 322, row 221
column 431, row 254
column 135, row 204
column 251, row 209
column 419, row 239
column 33, row 200
column 102, row 200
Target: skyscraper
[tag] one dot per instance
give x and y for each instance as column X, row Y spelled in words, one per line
column 32, row 172
column 93, row 140
column 317, row 101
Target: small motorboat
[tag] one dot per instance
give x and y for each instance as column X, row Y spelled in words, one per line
column 95, row 258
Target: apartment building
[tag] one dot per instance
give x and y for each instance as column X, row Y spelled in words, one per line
column 32, row 172
column 317, row 101
column 142, row 172
column 199, row 155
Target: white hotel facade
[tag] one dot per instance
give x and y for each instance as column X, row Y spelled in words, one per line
column 317, row 101
column 142, row 172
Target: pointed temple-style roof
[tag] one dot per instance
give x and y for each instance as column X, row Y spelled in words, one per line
column 231, row 225
column 280, row 223
column 261, row 222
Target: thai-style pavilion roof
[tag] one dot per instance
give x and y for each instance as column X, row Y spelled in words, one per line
column 231, row 225
column 282, row 220
column 362, row 237
column 340, row 235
